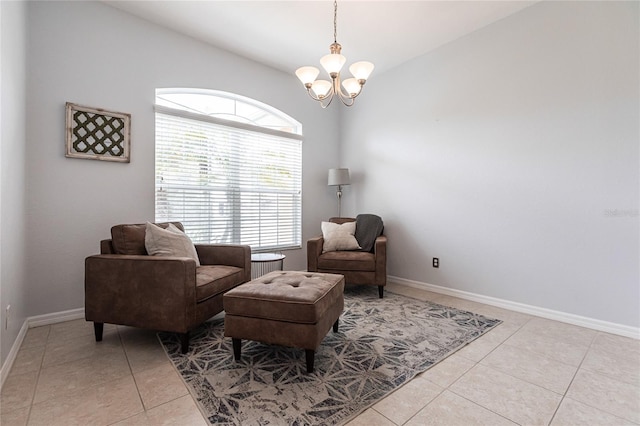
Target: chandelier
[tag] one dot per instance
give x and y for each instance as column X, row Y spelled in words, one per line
column 324, row 91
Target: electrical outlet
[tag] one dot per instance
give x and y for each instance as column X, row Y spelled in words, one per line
column 436, row 262
column 6, row 317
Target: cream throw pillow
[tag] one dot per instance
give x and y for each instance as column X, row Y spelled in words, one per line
column 339, row 237
column 169, row 242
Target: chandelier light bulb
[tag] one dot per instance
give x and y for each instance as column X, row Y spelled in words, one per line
column 333, row 63
column 321, row 88
column 361, row 70
column 352, row 87
column 307, row 75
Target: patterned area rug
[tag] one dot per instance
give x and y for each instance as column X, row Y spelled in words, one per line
column 381, row 344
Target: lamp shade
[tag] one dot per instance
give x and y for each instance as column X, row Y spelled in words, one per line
column 307, row 75
column 361, row 70
column 333, row 62
column 339, row 177
column 321, row 88
column 352, row 86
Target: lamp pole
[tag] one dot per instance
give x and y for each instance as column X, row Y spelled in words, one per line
column 338, row 178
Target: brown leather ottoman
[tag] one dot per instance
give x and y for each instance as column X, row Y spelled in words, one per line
column 286, row 308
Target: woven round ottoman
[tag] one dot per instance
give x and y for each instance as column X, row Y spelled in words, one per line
column 287, row 308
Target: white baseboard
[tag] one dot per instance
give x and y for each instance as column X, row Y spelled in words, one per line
column 31, row 322
column 13, row 353
column 594, row 324
column 56, row 317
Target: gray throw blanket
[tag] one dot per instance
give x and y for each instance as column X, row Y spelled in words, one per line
column 368, row 228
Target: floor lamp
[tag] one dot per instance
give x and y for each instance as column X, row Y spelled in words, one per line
column 339, row 177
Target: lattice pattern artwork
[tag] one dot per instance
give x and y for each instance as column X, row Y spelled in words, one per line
column 97, row 134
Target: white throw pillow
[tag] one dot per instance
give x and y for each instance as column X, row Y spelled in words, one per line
column 339, row 237
column 169, row 242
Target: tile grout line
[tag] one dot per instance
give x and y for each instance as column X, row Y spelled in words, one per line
column 40, row 367
column 536, row 384
column 471, row 401
column 478, row 363
column 564, row 394
column 425, row 406
column 483, row 407
column 475, row 363
column 593, row 372
column 133, row 377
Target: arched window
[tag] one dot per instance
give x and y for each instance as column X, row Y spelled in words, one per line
column 229, row 168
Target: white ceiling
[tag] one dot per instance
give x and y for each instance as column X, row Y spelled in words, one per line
column 289, row 34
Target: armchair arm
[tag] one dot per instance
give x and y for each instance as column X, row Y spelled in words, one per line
column 314, row 249
column 380, row 253
column 142, row 291
column 106, row 247
column 226, row 254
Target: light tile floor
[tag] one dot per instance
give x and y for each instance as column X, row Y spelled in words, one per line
column 527, row 371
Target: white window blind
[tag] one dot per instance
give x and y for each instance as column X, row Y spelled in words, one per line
column 228, row 182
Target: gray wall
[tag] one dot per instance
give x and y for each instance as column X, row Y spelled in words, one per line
column 13, row 54
column 512, row 155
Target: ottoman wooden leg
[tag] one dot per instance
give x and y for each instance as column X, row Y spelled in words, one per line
column 335, row 326
column 311, row 355
column 237, row 348
column 184, row 342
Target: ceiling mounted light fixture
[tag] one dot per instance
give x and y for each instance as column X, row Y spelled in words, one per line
column 324, row 91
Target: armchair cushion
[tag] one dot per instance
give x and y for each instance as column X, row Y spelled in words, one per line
column 349, row 260
column 339, row 236
column 169, row 242
column 129, row 239
column 213, row 280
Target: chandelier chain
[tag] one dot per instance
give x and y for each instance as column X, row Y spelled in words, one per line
column 335, row 21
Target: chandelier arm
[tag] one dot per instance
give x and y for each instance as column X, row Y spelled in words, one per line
column 347, row 99
column 311, row 95
column 328, row 98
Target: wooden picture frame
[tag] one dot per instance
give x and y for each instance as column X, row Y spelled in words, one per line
column 97, row 134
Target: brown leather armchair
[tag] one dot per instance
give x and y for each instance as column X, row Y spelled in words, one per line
column 126, row 286
column 358, row 267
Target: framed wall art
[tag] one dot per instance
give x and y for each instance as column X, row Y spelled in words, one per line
column 97, row 134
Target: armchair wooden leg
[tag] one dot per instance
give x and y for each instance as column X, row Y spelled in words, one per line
column 184, row 342
column 310, row 355
column 335, row 325
column 98, row 327
column 237, row 348
column 381, row 291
